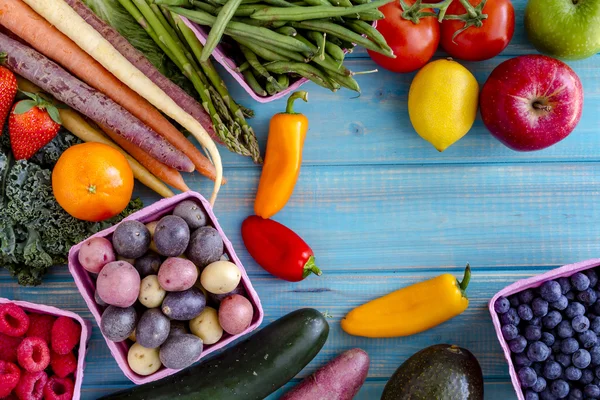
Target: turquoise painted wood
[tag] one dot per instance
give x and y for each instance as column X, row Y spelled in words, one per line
column 383, row 209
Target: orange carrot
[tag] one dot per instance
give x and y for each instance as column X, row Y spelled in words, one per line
column 20, row 19
column 168, row 175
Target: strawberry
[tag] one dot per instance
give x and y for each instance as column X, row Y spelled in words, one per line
column 8, row 91
column 32, row 124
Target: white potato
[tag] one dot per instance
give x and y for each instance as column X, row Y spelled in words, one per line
column 143, row 361
column 151, row 293
column 206, row 326
column 132, row 336
column 220, row 277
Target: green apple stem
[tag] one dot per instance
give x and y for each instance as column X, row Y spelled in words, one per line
column 415, row 12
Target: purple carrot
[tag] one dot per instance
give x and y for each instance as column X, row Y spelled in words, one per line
column 135, row 57
column 340, row 379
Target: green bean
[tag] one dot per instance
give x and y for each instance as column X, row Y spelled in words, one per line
column 257, row 66
column 268, row 52
column 318, row 38
column 318, row 2
column 234, row 28
column 245, row 10
column 346, row 81
column 253, row 83
column 178, row 3
column 342, row 33
column 218, row 28
column 264, row 24
column 223, row 2
column 334, row 51
column 206, row 8
column 305, row 70
column 341, row 3
column 370, row 32
column 313, row 12
column 271, row 89
column 327, row 62
column 245, row 65
column 279, row 3
column 358, row 2
column 343, row 44
column 283, row 80
column 287, row 30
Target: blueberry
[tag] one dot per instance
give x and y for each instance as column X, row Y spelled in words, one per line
column 556, row 347
column 593, row 277
column 539, row 385
column 552, row 370
column 570, row 296
column 597, row 372
column 574, row 309
column 538, row 352
column 563, row 359
column 531, row 395
column 526, row 296
column 580, row 323
column 502, row 305
column 525, row 312
column 532, row 333
column 536, row 321
column 591, row 391
column 547, row 395
column 510, row 332
column 563, row 330
column 518, row 344
column 538, row 368
column 560, row 304
column 527, row 377
column 580, row 281
column 587, row 297
column 596, row 306
column 588, row 339
column 510, row 317
column 560, row 388
column 569, row 346
column 587, row 377
column 521, row 360
column 514, row 300
column 573, row 373
column 550, row 291
column 565, row 284
column 595, row 324
column 595, row 354
column 581, row 358
column 575, row 394
column 547, row 338
column 550, row 321
column 539, row 307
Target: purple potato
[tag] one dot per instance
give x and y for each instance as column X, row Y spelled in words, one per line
column 185, row 305
column 192, row 213
column 180, row 351
column 171, row 236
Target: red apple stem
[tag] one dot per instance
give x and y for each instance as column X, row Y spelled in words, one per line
column 539, row 106
column 415, row 12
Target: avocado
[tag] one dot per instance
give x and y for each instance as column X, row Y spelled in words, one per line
column 440, row 372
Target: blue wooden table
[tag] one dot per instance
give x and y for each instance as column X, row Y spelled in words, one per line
column 383, row 209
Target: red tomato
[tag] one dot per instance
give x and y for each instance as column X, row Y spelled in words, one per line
column 413, row 44
column 487, row 41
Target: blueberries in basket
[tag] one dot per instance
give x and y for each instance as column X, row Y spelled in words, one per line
column 580, row 323
column 560, row 388
column 536, row 321
column 510, row 317
column 591, row 391
column 538, row 352
column 580, row 281
column 588, row 339
column 587, row 377
column 525, row 312
column 556, row 346
column 560, row 304
column 595, row 354
column 565, row 330
column 514, row 300
column 546, row 395
column 532, row 333
column 539, row 385
column 587, row 297
column 527, row 377
column 569, row 346
column 539, row 307
column 518, row 344
column 509, row 332
column 531, row 395
column 565, row 284
column 575, row 394
column 547, row 338
column 574, row 309
column 570, row 296
column 563, row 359
column 521, row 360
column 502, row 305
column 581, row 358
column 595, row 325
column 552, row 370
column 573, row 373
column 526, row 296
column 593, row 277
column 551, row 320
column 550, row 291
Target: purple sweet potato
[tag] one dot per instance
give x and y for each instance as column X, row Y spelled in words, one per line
column 340, row 379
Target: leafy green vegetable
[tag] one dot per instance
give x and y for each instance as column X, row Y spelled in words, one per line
column 116, row 16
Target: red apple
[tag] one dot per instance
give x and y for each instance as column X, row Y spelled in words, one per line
column 531, row 102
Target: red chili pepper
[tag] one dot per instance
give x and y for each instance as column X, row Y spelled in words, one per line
column 278, row 249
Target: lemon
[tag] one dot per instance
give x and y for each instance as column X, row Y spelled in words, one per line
column 442, row 102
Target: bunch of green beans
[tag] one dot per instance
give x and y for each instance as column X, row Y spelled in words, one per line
column 283, row 39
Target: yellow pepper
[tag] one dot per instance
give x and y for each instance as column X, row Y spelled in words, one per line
column 283, row 159
column 410, row 310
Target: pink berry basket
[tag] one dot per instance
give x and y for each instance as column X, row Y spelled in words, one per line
column 86, row 285
column 86, row 331
column 519, row 286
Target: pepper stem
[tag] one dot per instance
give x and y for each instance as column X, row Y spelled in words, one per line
column 296, row 95
column 466, row 279
column 311, row 268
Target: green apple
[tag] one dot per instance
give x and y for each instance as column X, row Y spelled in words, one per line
column 567, row 29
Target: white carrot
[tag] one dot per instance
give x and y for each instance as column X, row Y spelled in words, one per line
column 66, row 20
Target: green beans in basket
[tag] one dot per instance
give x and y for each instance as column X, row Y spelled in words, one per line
column 215, row 34
column 313, row 12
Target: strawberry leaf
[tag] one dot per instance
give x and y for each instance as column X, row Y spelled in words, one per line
column 54, row 114
column 32, row 96
column 24, row 106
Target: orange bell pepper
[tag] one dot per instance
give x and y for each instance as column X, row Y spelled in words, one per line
column 283, row 159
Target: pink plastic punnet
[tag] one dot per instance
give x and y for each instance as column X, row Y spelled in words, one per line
column 86, row 286
column 86, row 331
column 520, row 286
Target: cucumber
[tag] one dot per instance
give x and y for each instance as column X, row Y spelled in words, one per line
column 250, row 370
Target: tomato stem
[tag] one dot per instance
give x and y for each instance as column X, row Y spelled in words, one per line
column 415, row 12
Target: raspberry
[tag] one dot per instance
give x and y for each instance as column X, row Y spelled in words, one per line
column 31, row 386
column 9, row 377
column 58, row 389
column 8, row 347
column 65, row 335
column 13, row 320
column 33, row 354
column 63, row 365
column 11, row 396
column 40, row 325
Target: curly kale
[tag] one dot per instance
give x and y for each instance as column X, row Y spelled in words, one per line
column 35, row 232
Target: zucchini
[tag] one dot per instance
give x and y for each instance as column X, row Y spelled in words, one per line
column 250, row 370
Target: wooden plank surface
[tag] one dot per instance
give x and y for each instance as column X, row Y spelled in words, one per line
column 382, row 209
